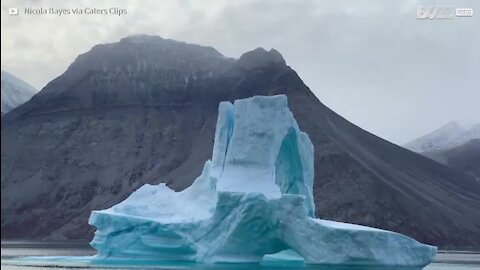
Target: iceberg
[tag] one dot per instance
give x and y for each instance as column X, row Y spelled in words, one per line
column 252, row 203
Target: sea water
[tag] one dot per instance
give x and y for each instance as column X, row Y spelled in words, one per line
column 14, row 252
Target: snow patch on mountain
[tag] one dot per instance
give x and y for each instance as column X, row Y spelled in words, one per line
column 444, row 138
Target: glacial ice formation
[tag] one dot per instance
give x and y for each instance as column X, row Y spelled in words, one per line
column 252, row 202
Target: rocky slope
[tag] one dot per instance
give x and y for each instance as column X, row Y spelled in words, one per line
column 14, row 92
column 144, row 110
column 464, row 158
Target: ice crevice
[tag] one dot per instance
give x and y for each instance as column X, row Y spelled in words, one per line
column 253, row 202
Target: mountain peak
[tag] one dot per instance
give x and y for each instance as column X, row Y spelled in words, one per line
column 141, row 38
column 173, row 46
column 261, row 58
column 155, row 62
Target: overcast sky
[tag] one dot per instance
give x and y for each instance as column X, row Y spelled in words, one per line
column 373, row 62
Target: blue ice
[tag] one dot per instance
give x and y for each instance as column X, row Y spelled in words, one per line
column 252, row 203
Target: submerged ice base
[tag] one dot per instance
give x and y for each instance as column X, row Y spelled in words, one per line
column 252, row 202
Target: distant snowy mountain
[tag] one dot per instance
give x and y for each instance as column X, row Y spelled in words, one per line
column 452, row 145
column 444, row 138
column 14, row 92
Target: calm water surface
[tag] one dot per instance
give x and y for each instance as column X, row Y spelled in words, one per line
column 12, row 250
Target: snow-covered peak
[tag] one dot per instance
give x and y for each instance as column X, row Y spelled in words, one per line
column 446, row 137
column 14, row 92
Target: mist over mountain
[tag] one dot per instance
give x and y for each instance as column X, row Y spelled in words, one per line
column 14, row 92
column 143, row 110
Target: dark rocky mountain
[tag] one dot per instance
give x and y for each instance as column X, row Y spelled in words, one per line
column 465, row 158
column 144, row 110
